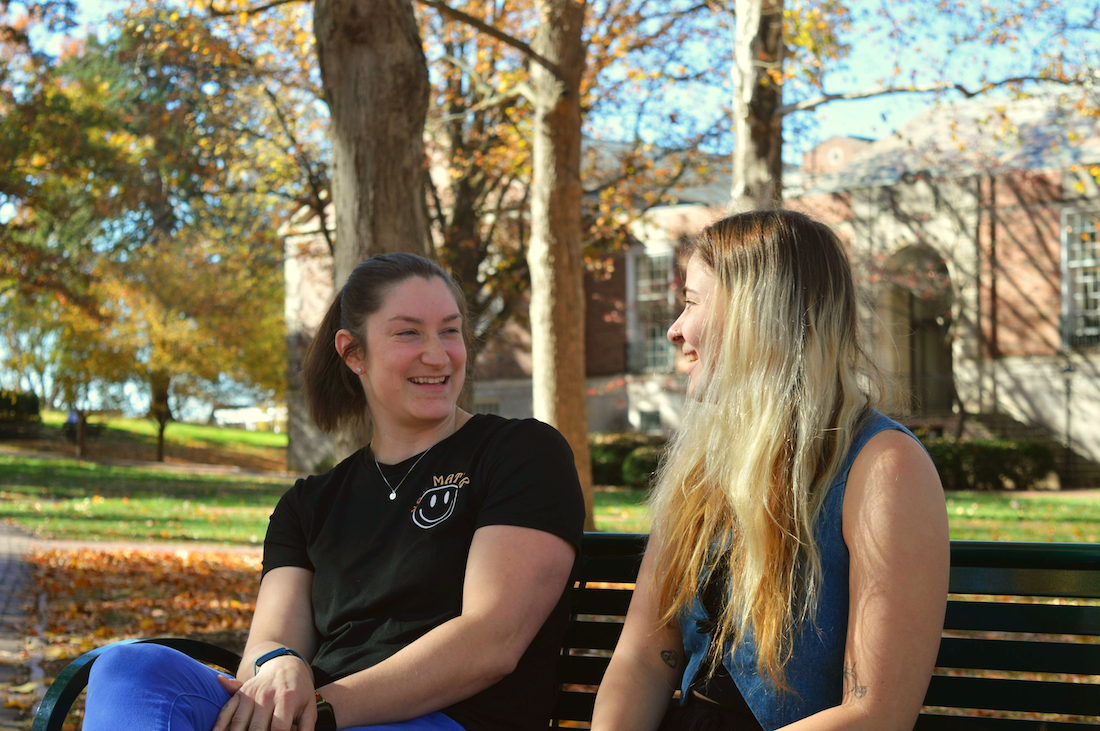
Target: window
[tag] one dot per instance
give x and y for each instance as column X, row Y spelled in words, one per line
column 649, row 421
column 654, row 300
column 486, row 406
column 1080, row 278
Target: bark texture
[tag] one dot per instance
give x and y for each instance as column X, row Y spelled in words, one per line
column 757, row 97
column 375, row 79
column 555, row 253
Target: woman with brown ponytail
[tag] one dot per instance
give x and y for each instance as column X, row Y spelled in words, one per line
column 796, row 576
column 421, row 584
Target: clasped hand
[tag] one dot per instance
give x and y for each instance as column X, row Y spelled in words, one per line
column 278, row 698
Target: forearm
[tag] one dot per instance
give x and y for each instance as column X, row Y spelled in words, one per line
column 635, row 693
column 255, row 649
column 452, row 662
column 857, row 716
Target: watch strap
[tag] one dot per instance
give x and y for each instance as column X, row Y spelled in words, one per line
column 326, row 718
column 279, row 652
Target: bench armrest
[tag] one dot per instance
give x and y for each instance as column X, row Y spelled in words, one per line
column 74, row 678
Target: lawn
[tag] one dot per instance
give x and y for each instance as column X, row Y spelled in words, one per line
column 136, row 440
column 1072, row 516
column 61, row 498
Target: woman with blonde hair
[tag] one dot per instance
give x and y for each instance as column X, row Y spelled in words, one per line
column 796, row 576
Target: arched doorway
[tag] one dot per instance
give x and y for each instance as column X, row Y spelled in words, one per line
column 914, row 304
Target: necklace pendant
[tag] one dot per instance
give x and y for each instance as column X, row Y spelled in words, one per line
column 393, row 496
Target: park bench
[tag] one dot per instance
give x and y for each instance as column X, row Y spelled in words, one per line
column 1021, row 638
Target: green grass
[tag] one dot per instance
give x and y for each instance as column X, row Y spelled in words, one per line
column 67, row 499
column 619, row 510
column 61, row 498
column 1072, row 517
column 183, row 433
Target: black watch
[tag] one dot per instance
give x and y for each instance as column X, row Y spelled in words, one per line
column 326, row 719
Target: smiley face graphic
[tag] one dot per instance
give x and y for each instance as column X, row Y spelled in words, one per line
column 435, row 506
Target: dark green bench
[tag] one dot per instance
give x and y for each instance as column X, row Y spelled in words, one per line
column 1006, row 651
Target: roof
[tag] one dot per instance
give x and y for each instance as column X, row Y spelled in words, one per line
column 987, row 134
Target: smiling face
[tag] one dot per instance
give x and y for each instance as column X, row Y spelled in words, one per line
column 687, row 331
column 414, row 366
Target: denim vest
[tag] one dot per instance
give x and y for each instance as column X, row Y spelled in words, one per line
column 815, row 671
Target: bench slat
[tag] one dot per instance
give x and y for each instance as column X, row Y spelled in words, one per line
column 592, row 635
column 1024, row 656
column 1025, row 582
column 1013, row 695
column 1025, row 555
column 574, row 705
column 1001, row 617
column 935, row 722
column 616, row 569
column 582, row 670
column 613, row 602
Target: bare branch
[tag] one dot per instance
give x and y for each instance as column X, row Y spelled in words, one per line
column 481, row 106
column 215, row 13
column 521, row 89
column 489, row 30
column 813, row 103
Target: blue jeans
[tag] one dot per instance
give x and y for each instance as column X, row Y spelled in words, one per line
column 147, row 687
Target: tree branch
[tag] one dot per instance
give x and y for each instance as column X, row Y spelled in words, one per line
column 489, row 30
column 215, row 13
column 807, row 105
column 521, row 89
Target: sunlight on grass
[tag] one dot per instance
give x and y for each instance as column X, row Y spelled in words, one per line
column 1071, row 517
column 183, row 433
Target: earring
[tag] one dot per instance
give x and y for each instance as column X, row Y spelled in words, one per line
column 359, row 370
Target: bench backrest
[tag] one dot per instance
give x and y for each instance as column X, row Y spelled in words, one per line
column 1021, row 637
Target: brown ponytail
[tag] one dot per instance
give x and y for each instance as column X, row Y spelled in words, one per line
column 334, row 394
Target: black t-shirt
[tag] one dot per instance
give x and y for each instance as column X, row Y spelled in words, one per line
column 386, row 572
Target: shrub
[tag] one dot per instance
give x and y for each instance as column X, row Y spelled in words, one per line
column 639, row 466
column 18, row 407
column 607, row 453
column 988, row 464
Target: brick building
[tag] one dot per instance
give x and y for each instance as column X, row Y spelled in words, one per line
column 973, row 231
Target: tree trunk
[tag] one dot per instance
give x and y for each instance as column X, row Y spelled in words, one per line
column 376, row 85
column 81, row 434
column 555, row 254
column 159, row 409
column 758, row 93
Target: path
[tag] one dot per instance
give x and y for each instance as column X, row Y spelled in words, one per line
column 16, row 597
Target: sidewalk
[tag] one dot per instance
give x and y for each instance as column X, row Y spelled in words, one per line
column 16, row 597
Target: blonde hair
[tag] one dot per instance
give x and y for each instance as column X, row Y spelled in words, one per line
column 765, row 431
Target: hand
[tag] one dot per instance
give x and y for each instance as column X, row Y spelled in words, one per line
column 278, row 698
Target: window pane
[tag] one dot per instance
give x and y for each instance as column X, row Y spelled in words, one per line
column 1083, row 263
column 653, row 295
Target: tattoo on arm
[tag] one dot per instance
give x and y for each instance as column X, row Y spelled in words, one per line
column 851, row 683
column 670, row 658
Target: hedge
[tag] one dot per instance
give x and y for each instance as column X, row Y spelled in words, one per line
column 18, row 407
column 608, row 452
column 639, row 466
column 990, row 464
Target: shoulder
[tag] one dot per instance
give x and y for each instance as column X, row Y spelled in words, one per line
column 531, row 435
column 309, row 489
column 893, row 484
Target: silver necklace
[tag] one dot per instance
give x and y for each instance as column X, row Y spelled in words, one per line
column 393, row 490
